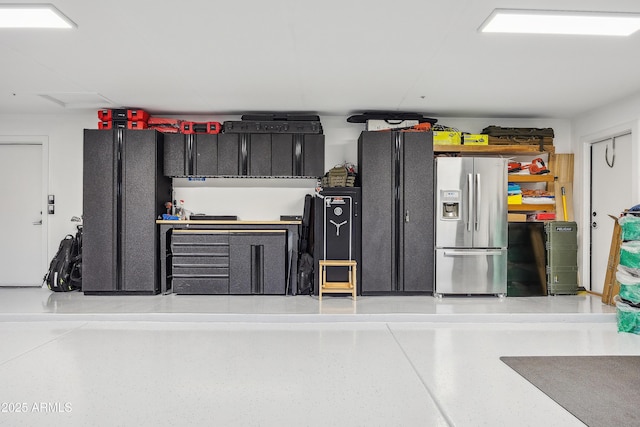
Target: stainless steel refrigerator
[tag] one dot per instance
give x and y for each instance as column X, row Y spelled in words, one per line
column 471, row 226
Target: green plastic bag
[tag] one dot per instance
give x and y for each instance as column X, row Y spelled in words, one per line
column 630, row 227
column 630, row 254
column 628, row 317
column 629, row 285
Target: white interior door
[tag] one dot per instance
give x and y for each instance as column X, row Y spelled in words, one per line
column 21, row 216
column 611, row 193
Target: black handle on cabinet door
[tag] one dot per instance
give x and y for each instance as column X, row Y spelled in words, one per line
column 257, row 269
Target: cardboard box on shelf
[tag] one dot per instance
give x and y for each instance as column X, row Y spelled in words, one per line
column 475, row 139
column 447, row 138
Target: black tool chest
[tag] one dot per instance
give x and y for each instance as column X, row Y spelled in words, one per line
column 233, row 262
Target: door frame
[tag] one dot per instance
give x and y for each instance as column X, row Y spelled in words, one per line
column 43, row 141
column 584, row 255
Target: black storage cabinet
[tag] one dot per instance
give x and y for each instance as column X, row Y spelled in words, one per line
column 229, row 262
column 396, row 178
column 191, row 155
column 124, row 190
column 273, row 155
column 337, row 231
column 257, row 263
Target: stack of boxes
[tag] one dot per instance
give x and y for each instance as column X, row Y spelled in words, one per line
column 562, row 257
column 122, row 119
column 443, row 135
column 628, row 275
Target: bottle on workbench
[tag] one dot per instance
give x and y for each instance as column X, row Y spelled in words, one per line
column 180, row 210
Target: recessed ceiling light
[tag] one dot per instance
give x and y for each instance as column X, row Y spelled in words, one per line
column 561, row 22
column 33, row 16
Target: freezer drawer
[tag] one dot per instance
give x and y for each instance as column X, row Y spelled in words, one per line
column 471, row 271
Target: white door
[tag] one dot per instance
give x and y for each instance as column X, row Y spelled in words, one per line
column 21, row 216
column 611, row 193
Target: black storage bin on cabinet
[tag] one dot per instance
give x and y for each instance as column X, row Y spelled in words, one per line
column 124, row 190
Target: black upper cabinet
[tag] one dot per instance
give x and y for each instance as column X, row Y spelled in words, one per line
column 259, row 154
column 312, row 155
column 205, row 155
column 230, row 154
column 282, row 155
column 186, row 155
column 175, row 156
column 244, row 154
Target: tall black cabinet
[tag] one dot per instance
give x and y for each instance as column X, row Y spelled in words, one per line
column 396, row 178
column 124, row 190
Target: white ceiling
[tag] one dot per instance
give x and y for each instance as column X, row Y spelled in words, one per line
column 333, row 57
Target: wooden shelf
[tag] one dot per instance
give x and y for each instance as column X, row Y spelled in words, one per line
column 492, row 149
column 531, row 178
column 531, row 208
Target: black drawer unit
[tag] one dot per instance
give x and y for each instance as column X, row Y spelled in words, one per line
column 200, row 262
column 228, row 262
column 201, row 285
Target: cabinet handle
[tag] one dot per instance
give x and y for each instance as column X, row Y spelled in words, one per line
column 469, row 201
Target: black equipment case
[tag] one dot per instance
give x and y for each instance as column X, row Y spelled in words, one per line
column 275, row 123
column 295, row 126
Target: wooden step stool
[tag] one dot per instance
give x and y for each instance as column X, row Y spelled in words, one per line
column 349, row 287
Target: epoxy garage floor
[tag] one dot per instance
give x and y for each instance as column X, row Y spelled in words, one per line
column 128, row 366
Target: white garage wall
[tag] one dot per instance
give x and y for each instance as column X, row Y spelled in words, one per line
column 65, row 163
column 612, row 119
column 250, row 202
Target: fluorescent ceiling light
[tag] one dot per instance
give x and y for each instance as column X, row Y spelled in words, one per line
column 561, row 22
column 33, row 16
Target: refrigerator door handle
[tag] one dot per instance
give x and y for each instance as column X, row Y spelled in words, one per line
column 478, row 201
column 469, row 201
column 481, row 252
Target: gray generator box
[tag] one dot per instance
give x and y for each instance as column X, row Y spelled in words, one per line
column 562, row 257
